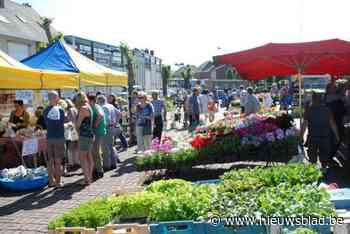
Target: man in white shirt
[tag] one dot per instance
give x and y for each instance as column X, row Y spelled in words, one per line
column 204, row 100
column 112, row 116
column 252, row 105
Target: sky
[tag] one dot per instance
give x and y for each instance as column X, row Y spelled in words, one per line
column 192, row 31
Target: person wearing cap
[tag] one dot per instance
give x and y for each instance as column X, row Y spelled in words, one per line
column 19, row 118
column 159, row 115
column 112, row 116
column 252, row 105
column 54, row 118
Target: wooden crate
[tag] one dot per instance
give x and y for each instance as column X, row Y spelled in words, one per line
column 124, row 229
column 80, row 230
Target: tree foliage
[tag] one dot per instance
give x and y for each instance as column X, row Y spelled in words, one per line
column 166, row 74
column 187, row 75
column 45, row 23
column 230, row 74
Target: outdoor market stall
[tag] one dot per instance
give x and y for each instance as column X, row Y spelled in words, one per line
column 15, row 75
column 285, row 59
column 26, row 142
column 60, row 57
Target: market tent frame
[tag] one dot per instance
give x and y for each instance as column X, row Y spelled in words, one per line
column 60, row 57
column 15, row 75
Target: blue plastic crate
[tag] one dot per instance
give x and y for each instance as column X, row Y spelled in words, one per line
column 221, row 229
column 214, row 181
column 340, row 198
column 190, row 227
column 177, row 227
column 320, row 229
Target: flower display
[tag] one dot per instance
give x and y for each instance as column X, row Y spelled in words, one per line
column 279, row 134
column 165, row 145
column 270, row 136
column 256, row 137
column 201, row 141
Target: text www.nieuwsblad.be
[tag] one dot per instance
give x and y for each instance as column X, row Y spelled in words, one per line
column 264, row 221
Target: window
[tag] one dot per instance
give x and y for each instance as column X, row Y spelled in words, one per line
column 3, row 19
column 21, row 19
column 18, row 51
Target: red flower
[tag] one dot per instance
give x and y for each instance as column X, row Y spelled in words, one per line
column 201, row 141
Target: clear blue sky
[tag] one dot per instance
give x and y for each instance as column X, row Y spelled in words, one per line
column 190, row 31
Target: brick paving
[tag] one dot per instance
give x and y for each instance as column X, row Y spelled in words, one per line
column 30, row 212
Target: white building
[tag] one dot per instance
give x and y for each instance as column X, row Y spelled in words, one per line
column 148, row 73
column 20, row 31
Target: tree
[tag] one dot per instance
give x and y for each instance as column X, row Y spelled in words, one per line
column 127, row 54
column 187, row 76
column 166, row 74
column 229, row 74
column 45, row 24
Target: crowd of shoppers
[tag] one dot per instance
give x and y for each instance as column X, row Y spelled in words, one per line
column 80, row 133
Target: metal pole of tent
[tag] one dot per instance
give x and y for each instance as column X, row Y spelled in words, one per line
column 300, row 97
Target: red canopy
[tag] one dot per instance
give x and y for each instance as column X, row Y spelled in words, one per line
column 309, row 58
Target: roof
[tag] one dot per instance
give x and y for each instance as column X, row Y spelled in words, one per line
column 29, row 30
column 15, row 75
column 205, row 66
column 177, row 73
column 60, row 57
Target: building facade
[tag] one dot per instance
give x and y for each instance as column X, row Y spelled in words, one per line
column 148, row 70
column 104, row 54
column 20, row 30
column 147, row 67
column 219, row 76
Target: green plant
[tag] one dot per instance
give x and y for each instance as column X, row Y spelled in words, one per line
column 174, row 160
column 184, row 203
column 293, row 174
column 92, row 214
column 236, row 103
column 285, row 191
column 169, row 103
column 134, row 206
column 302, row 231
column 167, row 186
column 299, row 200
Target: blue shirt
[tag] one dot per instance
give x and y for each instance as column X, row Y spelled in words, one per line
column 143, row 113
column 194, row 105
column 158, row 107
column 54, row 119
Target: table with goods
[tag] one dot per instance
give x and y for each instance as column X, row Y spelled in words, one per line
column 179, row 206
column 27, row 143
